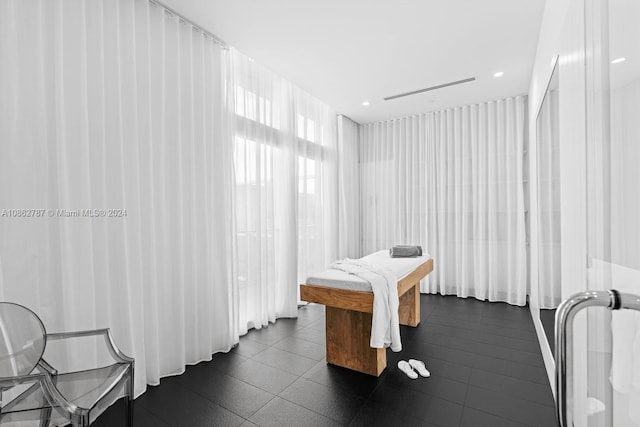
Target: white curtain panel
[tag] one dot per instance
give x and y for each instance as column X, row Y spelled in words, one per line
column 548, row 166
column 625, row 175
column 116, row 105
column 624, row 211
column 349, row 244
column 285, row 189
column 451, row 181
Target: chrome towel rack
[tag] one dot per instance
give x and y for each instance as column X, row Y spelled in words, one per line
column 611, row 299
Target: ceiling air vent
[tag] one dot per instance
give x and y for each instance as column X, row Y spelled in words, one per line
column 389, row 98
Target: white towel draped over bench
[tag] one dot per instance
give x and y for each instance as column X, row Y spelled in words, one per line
column 385, row 326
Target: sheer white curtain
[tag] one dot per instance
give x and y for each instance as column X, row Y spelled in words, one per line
column 452, row 181
column 624, row 208
column 349, row 189
column 548, row 165
column 285, row 189
column 116, row 104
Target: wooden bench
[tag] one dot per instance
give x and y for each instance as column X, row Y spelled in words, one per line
column 349, row 315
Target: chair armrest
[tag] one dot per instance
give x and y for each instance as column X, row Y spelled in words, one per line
column 105, row 332
column 45, row 381
column 21, row 379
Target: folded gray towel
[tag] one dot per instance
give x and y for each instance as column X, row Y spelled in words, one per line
column 403, row 251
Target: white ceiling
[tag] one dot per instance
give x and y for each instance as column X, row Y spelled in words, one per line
column 345, row 52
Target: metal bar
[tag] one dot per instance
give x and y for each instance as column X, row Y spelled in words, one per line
column 630, row 301
column 200, row 28
column 430, row 88
column 565, row 315
column 115, row 351
column 77, row 334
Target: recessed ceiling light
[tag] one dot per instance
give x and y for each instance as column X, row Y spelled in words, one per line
column 618, row 60
column 498, row 74
column 366, row 103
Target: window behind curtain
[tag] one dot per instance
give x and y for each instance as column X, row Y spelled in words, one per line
column 284, row 192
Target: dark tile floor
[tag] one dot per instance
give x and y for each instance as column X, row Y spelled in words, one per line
column 485, row 363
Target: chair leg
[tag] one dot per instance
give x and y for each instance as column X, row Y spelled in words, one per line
column 45, row 417
column 80, row 419
column 128, row 404
column 129, row 398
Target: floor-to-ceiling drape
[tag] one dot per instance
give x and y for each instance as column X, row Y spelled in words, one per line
column 623, row 274
column 349, row 240
column 451, row 181
column 115, row 106
column 285, row 189
column 548, row 173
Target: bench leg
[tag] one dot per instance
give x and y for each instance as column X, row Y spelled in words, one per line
column 409, row 310
column 348, row 337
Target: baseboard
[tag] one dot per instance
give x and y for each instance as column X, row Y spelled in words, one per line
column 547, row 355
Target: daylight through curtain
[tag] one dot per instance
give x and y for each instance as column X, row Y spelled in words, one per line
column 285, row 160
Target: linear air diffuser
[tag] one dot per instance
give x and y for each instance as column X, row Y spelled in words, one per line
column 389, row 98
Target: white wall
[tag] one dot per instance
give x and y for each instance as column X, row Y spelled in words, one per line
column 546, row 54
column 562, row 36
column 349, row 241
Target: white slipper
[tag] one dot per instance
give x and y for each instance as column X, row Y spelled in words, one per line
column 406, row 368
column 418, row 365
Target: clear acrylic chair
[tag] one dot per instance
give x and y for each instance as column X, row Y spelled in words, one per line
column 33, row 390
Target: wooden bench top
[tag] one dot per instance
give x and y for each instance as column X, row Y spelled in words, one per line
column 359, row 300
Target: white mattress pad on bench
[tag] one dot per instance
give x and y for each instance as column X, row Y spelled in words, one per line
column 400, row 267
